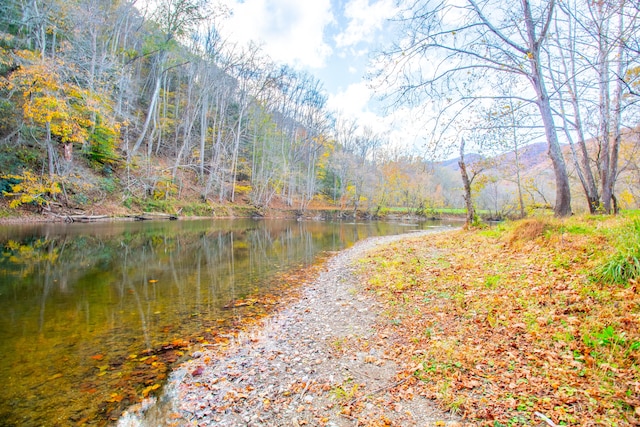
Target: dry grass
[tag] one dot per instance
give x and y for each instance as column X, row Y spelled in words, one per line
column 527, row 230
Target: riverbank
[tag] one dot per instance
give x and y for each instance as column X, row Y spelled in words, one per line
column 320, row 362
column 529, row 323
column 112, row 211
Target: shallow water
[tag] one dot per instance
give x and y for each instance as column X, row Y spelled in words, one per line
column 92, row 316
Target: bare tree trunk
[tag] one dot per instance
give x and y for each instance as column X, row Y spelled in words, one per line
column 603, row 107
column 203, row 132
column 519, row 181
column 608, row 196
column 563, row 190
column 466, row 181
column 50, row 152
column 150, row 113
column 581, row 160
column 234, row 161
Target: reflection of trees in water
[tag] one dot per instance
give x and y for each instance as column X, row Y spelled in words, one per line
column 197, row 270
column 213, row 261
column 163, row 273
column 114, row 295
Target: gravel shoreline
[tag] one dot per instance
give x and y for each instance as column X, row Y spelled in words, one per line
column 302, row 366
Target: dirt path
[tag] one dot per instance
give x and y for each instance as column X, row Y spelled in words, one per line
column 320, row 362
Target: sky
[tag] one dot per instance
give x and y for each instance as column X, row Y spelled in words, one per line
column 331, row 39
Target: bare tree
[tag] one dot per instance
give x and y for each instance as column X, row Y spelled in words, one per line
column 510, row 126
column 450, row 43
column 467, row 181
column 175, row 19
column 592, row 45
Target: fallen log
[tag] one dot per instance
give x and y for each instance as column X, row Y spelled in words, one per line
column 145, row 216
column 88, row 218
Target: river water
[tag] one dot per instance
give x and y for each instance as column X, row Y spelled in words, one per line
column 93, row 316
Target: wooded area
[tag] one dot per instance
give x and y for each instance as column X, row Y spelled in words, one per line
column 103, row 100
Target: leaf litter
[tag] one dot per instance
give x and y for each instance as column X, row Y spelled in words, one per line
column 512, row 327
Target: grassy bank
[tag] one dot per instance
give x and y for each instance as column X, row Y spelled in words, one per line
column 509, row 325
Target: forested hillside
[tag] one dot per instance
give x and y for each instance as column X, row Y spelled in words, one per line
column 112, row 106
column 102, row 103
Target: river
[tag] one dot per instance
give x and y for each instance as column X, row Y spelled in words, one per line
column 93, row 316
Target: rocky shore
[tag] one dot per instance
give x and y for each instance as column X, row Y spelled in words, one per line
column 320, row 362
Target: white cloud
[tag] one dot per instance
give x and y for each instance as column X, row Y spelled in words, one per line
column 290, row 31
column 351, row 101
column 364, row 20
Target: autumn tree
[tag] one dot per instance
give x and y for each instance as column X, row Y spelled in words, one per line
column 175, row 19
column 64, row 114
column 341, row 162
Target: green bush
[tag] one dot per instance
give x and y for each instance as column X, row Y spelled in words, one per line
column 108, row 185
column 7, row 183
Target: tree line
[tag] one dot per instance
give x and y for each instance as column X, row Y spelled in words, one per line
column 158, row 105
column 158, row 99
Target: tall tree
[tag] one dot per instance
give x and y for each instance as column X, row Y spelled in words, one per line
column 447, row 43
column 593, row 45
column 175, row 19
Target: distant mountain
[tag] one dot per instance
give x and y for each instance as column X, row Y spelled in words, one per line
column 453, row 163
column 530, row 157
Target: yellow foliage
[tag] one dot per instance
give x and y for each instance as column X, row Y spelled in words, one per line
column 56, row 104
column 626, row 199
column 164, row 188
column 632, row 77
column 31, row 189
column 242, row 189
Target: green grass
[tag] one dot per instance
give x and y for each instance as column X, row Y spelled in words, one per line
column 620, row 268
column 624, row 264
column 431, row 211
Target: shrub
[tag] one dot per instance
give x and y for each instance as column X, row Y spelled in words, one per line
column 30, row 189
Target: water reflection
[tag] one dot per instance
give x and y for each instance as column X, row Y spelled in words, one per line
column 93, row 315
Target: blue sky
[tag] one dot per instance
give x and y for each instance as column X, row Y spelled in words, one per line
column 331, row 39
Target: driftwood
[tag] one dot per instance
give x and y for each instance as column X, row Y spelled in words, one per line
column 79, row 217
column 87, row 218
column 74, row 217
column 155, row 215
